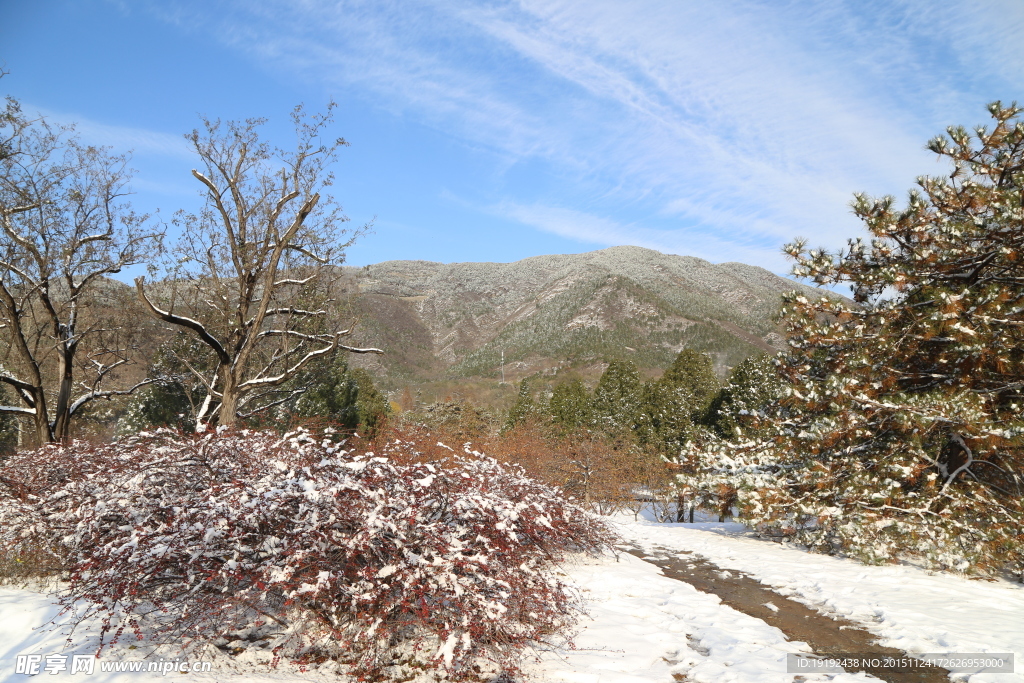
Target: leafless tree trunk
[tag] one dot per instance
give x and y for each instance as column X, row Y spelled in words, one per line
column 64, row 227
column 254, row 267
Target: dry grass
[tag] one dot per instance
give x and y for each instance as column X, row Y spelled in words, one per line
column 30, row 567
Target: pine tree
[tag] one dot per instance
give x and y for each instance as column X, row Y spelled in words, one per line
column 525, row 408
column 571, row 406
column 174, row 397
column 664, row 421
column 753, row 388
column 694, row 372
column 342, row 395
column 617, row 398
column 904, row 433
column 372, row 406
column 672, row 407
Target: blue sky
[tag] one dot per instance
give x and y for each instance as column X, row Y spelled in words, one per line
column 494, row 130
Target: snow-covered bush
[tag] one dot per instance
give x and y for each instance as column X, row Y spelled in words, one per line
column 324, row 551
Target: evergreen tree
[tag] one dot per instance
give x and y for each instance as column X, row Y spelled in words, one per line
column 329, row 390
column 372, row 406
column 176, row 394
column 673, row 406
column 617, row 397
column 525, row 408
column 571, row 406
column 748, row 397
column 161, row 404
column 664, row 420
column 342, row 395
column 695, row 373
column 904, row 431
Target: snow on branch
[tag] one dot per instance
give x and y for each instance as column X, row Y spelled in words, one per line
column 17, row 410
column 108, row 394
column 183, row 321
column 355, row 349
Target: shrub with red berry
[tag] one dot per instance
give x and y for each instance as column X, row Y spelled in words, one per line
column 369, row 560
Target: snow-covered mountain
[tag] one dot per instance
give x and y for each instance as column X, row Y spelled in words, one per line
column 438, row 320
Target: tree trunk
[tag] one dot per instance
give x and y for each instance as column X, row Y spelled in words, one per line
column 40, row 420
column 228, row 413
column 680, row 508
column 62, row 410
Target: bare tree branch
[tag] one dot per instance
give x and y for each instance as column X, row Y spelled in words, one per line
column 110, row 393
column 15, row 410
column 289, row 396
column 182, row 321
column 290, row 372
column 353, row 349
column 262, row 248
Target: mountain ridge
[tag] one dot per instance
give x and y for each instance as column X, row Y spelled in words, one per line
column 439, row 321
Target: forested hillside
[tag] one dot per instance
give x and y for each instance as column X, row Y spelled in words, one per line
column 452, row 322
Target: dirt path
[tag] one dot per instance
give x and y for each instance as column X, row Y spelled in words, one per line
column 825, row 635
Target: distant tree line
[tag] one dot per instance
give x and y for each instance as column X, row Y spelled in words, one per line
column 661, row 415
column 891, row 427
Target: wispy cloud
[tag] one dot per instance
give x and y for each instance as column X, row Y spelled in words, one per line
column 742, row 122
column 599, row 231
column 121, row 138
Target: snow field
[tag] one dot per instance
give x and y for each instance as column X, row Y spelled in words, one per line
column 25, row 618
column 644, row 627
column 909, row 608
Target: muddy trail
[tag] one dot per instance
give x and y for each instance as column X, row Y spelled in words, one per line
column 825, row 635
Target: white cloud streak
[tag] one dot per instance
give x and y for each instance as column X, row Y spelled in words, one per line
column 121, row 138
column 597, row 230
column 743, row 122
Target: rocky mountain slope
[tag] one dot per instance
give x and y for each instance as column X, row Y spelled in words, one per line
column 453, row 321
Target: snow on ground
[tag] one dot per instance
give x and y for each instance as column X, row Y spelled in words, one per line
column 642, row 627
column 910, row 608
column 645, row 627
column 30, row 625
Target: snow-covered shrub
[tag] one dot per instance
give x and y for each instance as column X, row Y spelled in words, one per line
column 360, row 558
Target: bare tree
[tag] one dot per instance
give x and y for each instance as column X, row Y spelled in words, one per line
column 254, row 267
column 64, row 227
